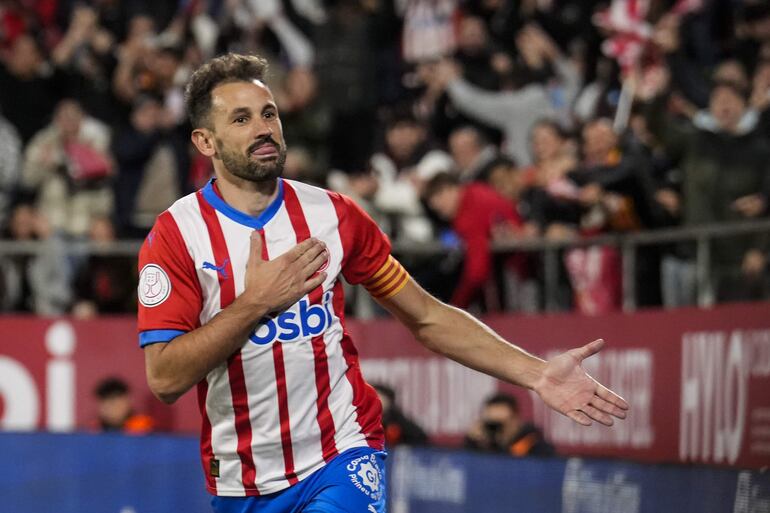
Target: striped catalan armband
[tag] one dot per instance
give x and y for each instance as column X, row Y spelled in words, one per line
column 388, row 280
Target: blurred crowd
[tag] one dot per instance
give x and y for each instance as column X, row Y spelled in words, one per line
column 465, row 122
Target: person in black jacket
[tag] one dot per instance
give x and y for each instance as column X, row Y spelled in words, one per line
column 399, row 429
column 501, row 429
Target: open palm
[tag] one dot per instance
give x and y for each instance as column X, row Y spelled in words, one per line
column 568, row 389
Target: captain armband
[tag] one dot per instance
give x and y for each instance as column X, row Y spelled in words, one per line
column 388, row 281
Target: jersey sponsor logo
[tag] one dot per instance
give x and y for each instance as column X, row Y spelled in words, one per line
column 366, row 476
column 302, row 321
column 220, row 269
column 154, row 285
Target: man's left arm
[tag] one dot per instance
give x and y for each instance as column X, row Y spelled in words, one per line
column 561, row 382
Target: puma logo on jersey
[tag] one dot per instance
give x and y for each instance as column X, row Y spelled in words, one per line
column 220, row 269
column 300, row 322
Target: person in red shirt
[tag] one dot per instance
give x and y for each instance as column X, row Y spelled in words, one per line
column 478, row 214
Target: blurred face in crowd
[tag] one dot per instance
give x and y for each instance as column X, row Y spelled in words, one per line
column 68, row 118
column 464, row 146
column 473, row 36
column 297, row 166
column 246, row 130
column 25, row 58
column 727, row 106
column 102, row 230
column 141, row 27
column 23, row 223
column 599, row 140
column 164, row 66
column 733, row 71
column 759, row 29
column 403, row 138
column 506, row 179
column 500, row 422
column 114, row 410
column 364, row 185
column 547, row 143
column 445, row 202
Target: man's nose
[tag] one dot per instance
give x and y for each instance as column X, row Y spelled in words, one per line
column 263, row 130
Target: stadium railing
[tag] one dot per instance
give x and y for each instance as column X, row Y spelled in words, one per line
column 627, row 243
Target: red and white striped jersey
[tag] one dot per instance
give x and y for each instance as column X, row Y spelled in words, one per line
column 293, row 396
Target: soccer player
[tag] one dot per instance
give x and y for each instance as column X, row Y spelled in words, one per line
column 240, row 295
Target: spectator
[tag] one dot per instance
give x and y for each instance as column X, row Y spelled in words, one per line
column 405, row 162
column 347, row 78
column 69, row 166
column 10, row 167
column 724, row 162
column 116, row 409
column 474, row 54
column 146, row 183
column 516, row 111
column 501, row 429
column 399, row 429
column 362, row 186
column 38, row 283
column 472, row 153
column 615, row 193
column 476, row 213
column 35, row 87
column 305, row 117
column 548, row 195
column 104, row 284
column 85, row 59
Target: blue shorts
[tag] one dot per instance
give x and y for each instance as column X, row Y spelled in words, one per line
column 353, row 482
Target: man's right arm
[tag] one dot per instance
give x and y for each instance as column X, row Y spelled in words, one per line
column 174, row 367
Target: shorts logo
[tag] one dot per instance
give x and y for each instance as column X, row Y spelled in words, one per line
column 365, row 474
column 154, row 285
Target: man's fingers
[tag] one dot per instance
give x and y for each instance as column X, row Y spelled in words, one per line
column 579, row 417
column 597, row 415
column 314, row 282
column 315, row 264
column 581, row 353
column 610, row 396
column 608, row 407
column 302, row 248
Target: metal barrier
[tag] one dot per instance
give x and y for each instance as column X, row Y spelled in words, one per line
column 628, row 243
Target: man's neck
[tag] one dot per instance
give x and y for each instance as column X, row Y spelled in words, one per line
column 249, row 197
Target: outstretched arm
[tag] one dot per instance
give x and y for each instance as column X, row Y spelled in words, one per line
column 560, row 382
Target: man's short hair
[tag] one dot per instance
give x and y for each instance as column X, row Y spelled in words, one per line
column 504, row 399
column 478, row 134
column 224, row 69
column 111, row 387
column 438, row 183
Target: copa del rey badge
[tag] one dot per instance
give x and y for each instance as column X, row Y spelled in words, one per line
column 154, row 285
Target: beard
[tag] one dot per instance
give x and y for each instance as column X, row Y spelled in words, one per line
column 249, row 168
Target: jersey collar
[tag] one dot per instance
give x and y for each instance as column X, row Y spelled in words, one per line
column 213, row 198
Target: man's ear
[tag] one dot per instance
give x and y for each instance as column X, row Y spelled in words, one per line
column 203, row 140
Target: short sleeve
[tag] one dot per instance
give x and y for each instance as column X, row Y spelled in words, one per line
column 366, row 248
column 169, row 293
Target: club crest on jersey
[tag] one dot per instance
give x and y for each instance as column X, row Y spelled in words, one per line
column 302, row 321
column 154, row 285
